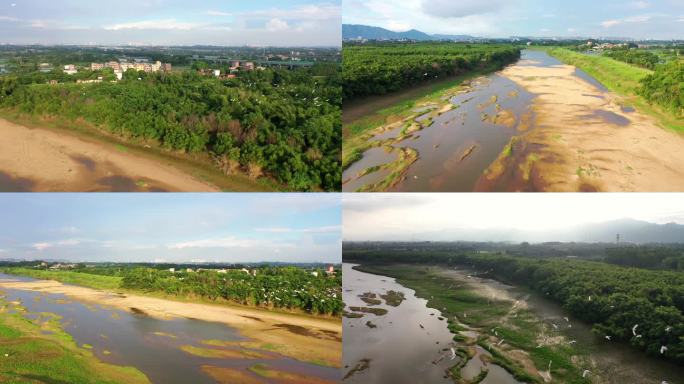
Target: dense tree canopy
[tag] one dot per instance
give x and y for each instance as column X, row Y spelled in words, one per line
column 381, row 68
column 647, row 257
column 613, row 298
column 282, row 287
column 285, row 124
column 666, row 86
column 641, row 58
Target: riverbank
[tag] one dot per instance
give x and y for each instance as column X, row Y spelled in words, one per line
column 385, row 128
column 308, row 339
column 33, row 352
column 621, row 78
column 585, row 139
column 52, row 155
column 495, row 320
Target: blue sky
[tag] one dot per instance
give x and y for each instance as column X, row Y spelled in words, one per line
column 172, row 22
column 642, row 19
column 226, row 227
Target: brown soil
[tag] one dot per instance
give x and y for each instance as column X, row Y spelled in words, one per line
column 321, row 343
column 43, row 160
column 584, row 143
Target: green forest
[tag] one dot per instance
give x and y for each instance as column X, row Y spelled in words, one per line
column 641, row 58
column 647, row 257
column 273, row 123
column 281, row 287
column 380, row 68
column 613, row 298
column 666, row 87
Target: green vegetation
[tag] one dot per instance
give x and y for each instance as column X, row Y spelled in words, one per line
column 31, row 356
column 381, row 68
column 277, row 123
column 647, row 257
column 665, row 87
column 288, row 288
column 69, row 277
column 612, row 298
column 454, row 299
column 278, row 287
column 393, row 298
column 641, row 58
column 657, row 94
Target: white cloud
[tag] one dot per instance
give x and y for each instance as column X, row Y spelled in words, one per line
column 228, row 242
column 610, row 23
column 218, row 13
column 8, row 18
column 277, row 25
column 41, row 246
column 639, row 4
column 323, row 229
column 461, row 8
column 153, row 24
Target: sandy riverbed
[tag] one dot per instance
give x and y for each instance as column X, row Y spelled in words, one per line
column 583, row 141
column 300, row 337
column 37, row 159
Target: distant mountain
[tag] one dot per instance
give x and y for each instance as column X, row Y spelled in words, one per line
column 631, row 231
column 355, row 31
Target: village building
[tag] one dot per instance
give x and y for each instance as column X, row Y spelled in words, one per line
column 70, row 69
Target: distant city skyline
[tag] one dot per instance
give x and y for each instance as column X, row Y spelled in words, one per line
column 171, row 228
column 642, row 19
column 274, row 23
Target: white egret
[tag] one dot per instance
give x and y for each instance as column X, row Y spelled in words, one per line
column 634, row 329
column 585, row 373
column 663, row 349
column 453, row 353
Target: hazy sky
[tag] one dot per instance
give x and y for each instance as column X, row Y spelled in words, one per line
column 426, row 216
column 171, row 22
column 224, row 227
column 660, row 19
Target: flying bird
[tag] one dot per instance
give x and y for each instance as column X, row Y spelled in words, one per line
column 585, row 373
column 663, row 349
column 499, row 343
column 634, row 329
column 608, row 338
column 453, row 353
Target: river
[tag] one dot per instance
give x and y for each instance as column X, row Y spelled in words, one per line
column 461, row 144
column 151, row 345
column 410, row 344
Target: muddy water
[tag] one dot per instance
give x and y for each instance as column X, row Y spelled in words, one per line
column 614, row 362
column 151, row 345
column 410, row 344
column 461, row 144
column 371, row 158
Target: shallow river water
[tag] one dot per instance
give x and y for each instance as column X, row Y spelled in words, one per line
column 411, row 344
column 456, row 149
column 149, row 344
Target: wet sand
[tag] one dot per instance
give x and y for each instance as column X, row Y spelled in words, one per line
column 583, row 140
column 43, row 160
column 300, row 337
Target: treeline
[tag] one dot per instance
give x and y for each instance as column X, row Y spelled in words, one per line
column 277, row 287
column 612, row 298
column 279, row 123
column 382, row 68
column 647, row 257
column 666, row 86
column 641, row 58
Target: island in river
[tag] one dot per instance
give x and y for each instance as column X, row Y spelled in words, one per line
column 161, row 341
column 461, row 326
column 536, row 125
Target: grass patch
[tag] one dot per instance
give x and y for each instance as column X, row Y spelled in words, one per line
column 620, row 78
column 76, row 278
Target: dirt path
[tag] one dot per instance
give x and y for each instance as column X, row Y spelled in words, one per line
column 304, row 338
column 37, row 159
column 583, row 141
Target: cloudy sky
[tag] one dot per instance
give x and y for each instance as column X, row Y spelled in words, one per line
column 434, row 215
column 172, row 22
column 224, row 227
column 658, row 19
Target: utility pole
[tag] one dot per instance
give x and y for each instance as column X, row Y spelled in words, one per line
column 617, row 239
